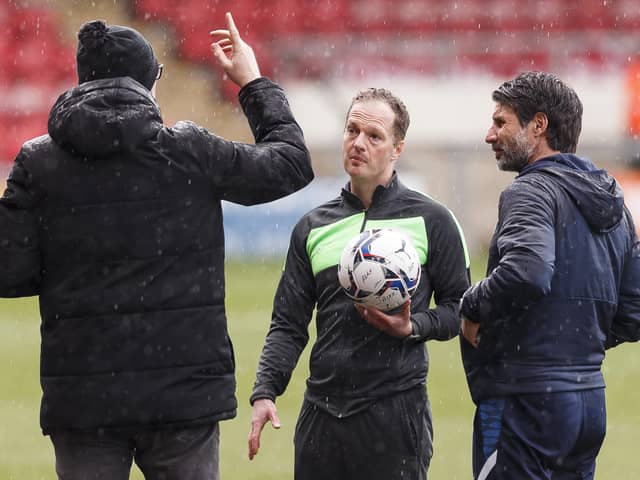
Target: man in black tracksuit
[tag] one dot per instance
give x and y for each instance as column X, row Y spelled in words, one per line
column 563, row 285
column 115, row 221
column 365, row 412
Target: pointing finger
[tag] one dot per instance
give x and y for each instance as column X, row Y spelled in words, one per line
column 254, row 438
column 233, row 30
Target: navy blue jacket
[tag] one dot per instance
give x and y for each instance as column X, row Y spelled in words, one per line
column 115, row 221
column 562, row 285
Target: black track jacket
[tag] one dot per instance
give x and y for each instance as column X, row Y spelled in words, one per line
column 352, row 363
column 116, row 223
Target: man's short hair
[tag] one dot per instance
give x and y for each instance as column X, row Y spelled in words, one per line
column 401, row 121
column 533, row 92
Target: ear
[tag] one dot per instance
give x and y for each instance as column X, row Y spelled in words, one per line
column 397, row 150
column 540, row 123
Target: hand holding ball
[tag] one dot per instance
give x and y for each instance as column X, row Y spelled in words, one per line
column 379, row 268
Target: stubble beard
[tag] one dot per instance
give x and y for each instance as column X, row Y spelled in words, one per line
column 516, row 154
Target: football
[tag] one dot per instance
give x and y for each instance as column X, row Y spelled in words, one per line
column 379, row 268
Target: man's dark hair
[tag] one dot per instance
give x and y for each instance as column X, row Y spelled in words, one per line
column 401, row 121
column 533, row 92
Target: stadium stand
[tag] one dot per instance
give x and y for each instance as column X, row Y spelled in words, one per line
column 319, row 40
column 307, row 38
column 35, row 66
column 428, row 51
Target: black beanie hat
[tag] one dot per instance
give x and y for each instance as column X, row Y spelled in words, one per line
column 114, row 51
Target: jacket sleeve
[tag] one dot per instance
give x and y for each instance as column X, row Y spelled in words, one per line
column 448, row 272
column 289, row 331
column 626, row 322
column 526, row 249
column 277, row 165
column 19, row 254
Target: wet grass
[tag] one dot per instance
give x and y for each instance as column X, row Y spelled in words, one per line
column 26, row 454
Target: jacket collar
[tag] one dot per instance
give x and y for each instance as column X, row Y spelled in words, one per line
column 380, row 195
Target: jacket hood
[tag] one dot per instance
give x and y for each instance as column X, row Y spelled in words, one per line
column 596, row 193
column 103, row 117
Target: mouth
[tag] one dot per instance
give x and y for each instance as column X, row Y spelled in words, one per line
column 357, row 159
column 498, row 152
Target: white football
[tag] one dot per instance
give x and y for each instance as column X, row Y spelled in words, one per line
column 379, row 268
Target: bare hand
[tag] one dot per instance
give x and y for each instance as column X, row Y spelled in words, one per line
column 264, row 410
column 235, row 55
column 398, row 325
column 470, row 331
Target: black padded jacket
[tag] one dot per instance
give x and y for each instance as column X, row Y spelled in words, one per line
column 117, row 226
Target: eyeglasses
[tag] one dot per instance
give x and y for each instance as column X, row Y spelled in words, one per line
column 160, row 69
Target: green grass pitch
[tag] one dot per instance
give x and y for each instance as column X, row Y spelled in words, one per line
column 26, row 454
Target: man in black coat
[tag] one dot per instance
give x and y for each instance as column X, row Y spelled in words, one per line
column 115, row 221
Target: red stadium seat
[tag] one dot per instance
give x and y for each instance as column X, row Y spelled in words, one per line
column 5, row 13
column 34, row 22
column 505, row 17
column 594, row 14
column 194, row 19
column 313, row 16
column 556, row 15
column 17, row 129
column 627, row 15
column 34, row 69
column 415, row 16
column 35, row 52
column 277, row 19
column 462, row 16
column 194, row 41
column 157, row 10
column 591, row 60
column 371, row 16
column 303, row 38
column 502, row 64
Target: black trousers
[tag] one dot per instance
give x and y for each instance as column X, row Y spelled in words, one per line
column 179, row 454
column 392, row 439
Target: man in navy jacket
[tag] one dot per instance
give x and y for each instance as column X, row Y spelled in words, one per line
column 562, row 286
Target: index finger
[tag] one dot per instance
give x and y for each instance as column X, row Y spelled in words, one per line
column 233, row 30
column 254, row 439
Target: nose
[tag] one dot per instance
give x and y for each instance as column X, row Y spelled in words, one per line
column 358, row 142
column 491, row 136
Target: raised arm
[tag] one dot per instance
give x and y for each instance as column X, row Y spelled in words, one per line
column 234, row 55
column 279, row 162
